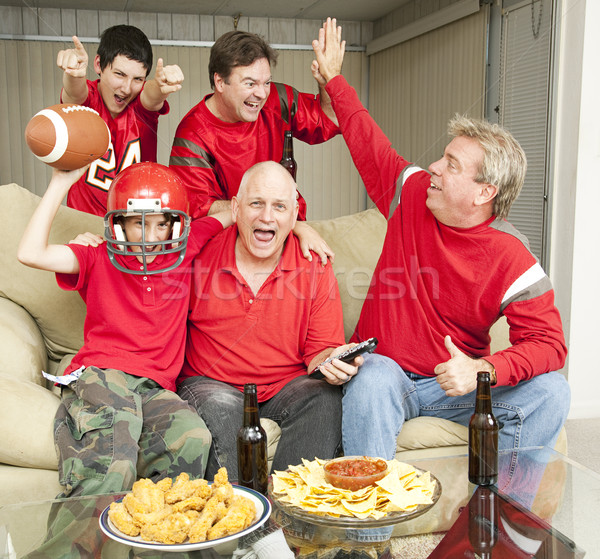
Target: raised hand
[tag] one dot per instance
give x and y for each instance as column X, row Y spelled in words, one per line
column 329, row 51
column 168, row 78
column 73, row 61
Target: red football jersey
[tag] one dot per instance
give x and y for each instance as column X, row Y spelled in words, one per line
column 133, row 136
column 211, row 156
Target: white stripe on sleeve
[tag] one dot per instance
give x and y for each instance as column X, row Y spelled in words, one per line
column 527, row 279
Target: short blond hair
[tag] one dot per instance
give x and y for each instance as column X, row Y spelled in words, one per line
column 504, row 162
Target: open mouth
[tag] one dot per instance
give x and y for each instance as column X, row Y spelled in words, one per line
column 120, row 101
column 264, row 235
column 255, row 106
column 434, row 187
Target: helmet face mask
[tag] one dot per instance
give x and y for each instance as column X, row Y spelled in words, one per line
column 144, row 190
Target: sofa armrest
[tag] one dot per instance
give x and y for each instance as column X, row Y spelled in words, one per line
column 21, row 344
column 27, row 425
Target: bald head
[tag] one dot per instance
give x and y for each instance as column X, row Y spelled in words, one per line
column 268, row 174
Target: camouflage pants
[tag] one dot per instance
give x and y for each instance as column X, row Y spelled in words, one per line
column 112, row 428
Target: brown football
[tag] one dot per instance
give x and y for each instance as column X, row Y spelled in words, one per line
column 67, row 136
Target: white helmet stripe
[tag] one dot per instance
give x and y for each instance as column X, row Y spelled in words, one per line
column 62, row 136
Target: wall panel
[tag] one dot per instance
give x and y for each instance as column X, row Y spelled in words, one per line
column 416, row 86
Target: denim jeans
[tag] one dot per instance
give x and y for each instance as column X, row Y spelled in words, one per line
column 307, row 410
column 381, row 397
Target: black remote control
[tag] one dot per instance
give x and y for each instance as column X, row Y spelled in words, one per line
column 347, row 356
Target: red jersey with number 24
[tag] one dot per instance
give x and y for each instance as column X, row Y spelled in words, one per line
column 132, row 140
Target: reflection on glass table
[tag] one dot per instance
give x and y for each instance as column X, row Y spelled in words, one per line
column 562, row 494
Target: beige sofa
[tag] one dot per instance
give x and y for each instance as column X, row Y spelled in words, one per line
column 41, row 327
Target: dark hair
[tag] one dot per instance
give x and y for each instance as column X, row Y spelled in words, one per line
column 128, row 41
column 237, row 48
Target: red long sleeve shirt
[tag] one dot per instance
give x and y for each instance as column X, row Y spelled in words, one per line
column 433, row 280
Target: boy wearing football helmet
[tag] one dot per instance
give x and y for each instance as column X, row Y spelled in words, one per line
column 119, row 417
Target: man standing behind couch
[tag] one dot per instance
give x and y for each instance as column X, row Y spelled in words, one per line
column 261, row 313
column 243, row 122
column 451, row 265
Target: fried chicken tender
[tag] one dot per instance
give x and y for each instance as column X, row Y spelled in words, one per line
column 191, row 503
column 170, row 530
column 145, row 497
column 221, row 486
column 184, row 488
column 214, row 508
column 164, row 484
column 144, row 519
column 239, row 516
column 221, row 478
column 121, row 518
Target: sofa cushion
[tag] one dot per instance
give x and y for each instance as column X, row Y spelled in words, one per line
column 427, row 432
column 21, row 344
column 357, row 240
column 26, row 425
column 59, row 313
column 25, row 485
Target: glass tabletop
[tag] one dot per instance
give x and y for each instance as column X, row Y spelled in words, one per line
column 561, row 493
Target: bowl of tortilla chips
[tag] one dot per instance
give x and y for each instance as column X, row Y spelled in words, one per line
column 302, row 492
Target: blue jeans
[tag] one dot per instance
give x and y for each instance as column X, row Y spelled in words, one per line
column 382, row 396
column 307, row 410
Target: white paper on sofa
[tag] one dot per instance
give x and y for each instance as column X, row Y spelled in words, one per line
column 65, row 379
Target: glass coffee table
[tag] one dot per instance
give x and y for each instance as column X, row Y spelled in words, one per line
column 550, row 492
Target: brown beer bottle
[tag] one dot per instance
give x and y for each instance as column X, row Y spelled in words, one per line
column 483, row 436
column 288, row 160
column 252, row 445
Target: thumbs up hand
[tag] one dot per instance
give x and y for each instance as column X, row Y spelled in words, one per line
column 458, row 375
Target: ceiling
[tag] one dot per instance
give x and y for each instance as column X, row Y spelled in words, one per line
column 348, row 10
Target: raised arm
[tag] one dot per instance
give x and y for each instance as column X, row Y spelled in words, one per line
column 320, row 45
column 73, row 62
column 377, row 162
column 167, row 79
column 34, row 250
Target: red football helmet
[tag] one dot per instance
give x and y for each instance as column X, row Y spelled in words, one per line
column 138, row 190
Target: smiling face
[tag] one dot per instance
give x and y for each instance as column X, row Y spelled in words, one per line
column 265, row 211
column 454, row 197
column 157, row 227
column 241, row 96
column 120, row 82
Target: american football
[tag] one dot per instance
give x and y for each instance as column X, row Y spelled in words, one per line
column 67, row 136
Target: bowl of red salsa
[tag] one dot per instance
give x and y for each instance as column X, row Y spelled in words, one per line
column 354, row 472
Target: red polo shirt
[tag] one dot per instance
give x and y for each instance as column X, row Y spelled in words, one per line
column 136, row 323
column 269, row 338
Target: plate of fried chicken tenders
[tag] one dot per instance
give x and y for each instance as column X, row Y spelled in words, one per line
column 184, row 514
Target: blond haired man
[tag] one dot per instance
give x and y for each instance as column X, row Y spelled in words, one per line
column 451, row 266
